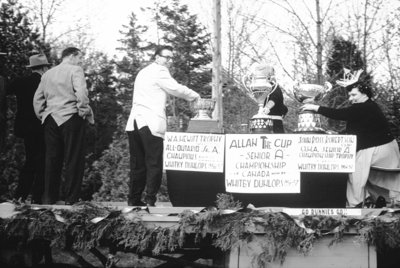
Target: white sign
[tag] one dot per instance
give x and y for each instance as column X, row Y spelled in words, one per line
column 259, row 163
column 194, row 151
column 322, row 211
column 326, row 153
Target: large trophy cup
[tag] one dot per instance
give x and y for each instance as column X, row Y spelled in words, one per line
column 203, row 108
column 258, row 83
column 310, row 121
column 202, row 121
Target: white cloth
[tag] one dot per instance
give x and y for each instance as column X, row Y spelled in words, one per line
column 386, row 156
column 152, row 86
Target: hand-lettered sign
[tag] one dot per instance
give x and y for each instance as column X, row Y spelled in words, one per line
column 257, row 163
column 194, row 151
column 326, row 153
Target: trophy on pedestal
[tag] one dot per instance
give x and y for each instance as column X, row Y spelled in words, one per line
column 203, row 108
column 260, row 82
column 310, row 121
column 202, row 121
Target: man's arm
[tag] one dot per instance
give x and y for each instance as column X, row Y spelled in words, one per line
column 81, row 92
column 39, row 101
column 171, row 86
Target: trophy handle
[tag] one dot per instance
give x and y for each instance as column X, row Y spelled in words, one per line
column 245, row 80
column 327, row 88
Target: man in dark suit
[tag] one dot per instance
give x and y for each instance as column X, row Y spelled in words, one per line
column 28, row 127
column 61, row 102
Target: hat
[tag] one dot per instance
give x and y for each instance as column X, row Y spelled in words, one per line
column 37, row 60
column 349, row 78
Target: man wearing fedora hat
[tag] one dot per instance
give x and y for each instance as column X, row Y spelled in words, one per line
column 28, row 127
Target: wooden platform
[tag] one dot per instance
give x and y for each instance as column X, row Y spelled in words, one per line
column 347, row 253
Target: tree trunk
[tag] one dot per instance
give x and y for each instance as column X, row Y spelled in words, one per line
column 319, row 45
column 216, row 74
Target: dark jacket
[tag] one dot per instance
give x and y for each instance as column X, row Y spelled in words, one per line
column 24, row 89
column 365, row 120
column 277, row 97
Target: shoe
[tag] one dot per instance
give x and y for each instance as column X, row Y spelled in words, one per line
column 151, row 203
column 136, row 203
column 368, row 203
column 380, row 202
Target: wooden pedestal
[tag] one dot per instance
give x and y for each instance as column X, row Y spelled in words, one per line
column 204, row 126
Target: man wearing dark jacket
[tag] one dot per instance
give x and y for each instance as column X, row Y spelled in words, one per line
column 28, row 127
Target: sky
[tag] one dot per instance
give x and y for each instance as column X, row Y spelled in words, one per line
column 106, row 18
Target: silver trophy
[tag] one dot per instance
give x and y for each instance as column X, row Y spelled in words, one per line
column 259, row 83
column 202, row 121
column 310, row 121
column 203, row 108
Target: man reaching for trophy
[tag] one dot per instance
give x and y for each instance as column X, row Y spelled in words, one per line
column 376, row 145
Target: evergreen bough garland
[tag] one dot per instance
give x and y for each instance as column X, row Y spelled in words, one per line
column 74, row 229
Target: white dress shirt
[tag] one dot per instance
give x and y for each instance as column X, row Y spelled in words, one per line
column 152, row 86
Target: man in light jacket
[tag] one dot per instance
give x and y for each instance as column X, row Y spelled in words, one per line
column 147, row 124
column 61, row 102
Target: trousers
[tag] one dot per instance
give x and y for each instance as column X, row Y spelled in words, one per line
column 146, row 164
column 31, row 177
column 64, row 145
column 386, row 155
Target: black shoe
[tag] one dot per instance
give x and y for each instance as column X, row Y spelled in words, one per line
column 136, row 203
column 368, row 203
column 380, row 202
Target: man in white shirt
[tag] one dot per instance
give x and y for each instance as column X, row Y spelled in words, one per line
column 147, row 124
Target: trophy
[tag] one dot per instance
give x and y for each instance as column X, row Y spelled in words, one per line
column 203, row 108
column 202, row 121
column 310, row 121
column 258, row 83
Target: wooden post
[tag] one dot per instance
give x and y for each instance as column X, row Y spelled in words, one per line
column 319, row 45
column 216, row 72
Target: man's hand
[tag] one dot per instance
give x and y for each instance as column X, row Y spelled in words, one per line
column 266, row 110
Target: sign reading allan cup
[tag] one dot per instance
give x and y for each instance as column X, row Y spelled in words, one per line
column 194, row 152
column 258, row 163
